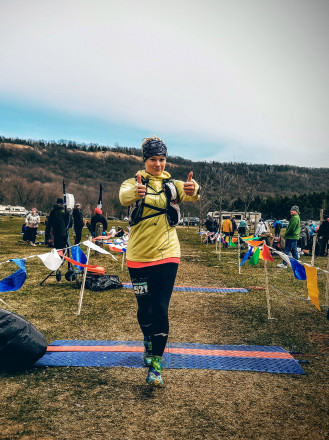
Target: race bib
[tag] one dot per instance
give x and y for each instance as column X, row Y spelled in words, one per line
column 140, row 287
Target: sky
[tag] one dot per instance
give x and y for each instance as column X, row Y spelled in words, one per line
column 217, row 80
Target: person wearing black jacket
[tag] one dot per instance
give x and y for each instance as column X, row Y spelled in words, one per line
column 98, row 218
column 78, row 223
column 323, row 235
column 58, row 224
column 209, row 224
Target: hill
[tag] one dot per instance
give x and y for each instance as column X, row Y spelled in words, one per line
column 31, row 173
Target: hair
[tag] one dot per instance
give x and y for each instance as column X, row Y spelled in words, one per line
column 151, row 138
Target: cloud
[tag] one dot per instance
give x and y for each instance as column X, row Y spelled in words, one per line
column 246, row 76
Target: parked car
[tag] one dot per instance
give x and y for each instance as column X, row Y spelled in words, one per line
column 270, row 222
column 194, row 221
column 284, row 222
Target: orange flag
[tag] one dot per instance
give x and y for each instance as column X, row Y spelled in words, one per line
column 254, row 243
column 267, row 254
column 312, row 285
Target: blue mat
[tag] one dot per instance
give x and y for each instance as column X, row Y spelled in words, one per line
column 178, row 355
column 200, row 289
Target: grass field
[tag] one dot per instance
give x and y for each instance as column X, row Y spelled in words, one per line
column 115, row 403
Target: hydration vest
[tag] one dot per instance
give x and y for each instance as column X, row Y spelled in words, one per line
column 172, row 210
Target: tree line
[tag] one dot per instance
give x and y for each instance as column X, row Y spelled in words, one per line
column 31, row 173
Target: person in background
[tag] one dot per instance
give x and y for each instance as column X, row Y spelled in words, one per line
column 209, row 224
column 98, row 218
column 153, row 251
column 216, row 225
column 112, row 232
column 262, row 228
column 243, row 227
column 58, row 225
column 234, row 226
column 227, row 229
column 291, row 236
column 323, row 235
column 32, row 222
column 311, row 227
column 277, row 225
column 78, row 223
column 304, row 236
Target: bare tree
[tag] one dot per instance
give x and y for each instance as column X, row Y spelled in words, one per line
column 224, row 182
column 247, row 187
column 215, row 187
column 22, row 191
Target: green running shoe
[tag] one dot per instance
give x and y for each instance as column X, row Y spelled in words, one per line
column 147, row 356
column 154, row 374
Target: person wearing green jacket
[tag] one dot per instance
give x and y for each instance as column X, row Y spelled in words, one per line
column 153, row 251
column 291, row 236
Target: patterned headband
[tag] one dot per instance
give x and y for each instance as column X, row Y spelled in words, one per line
column 154, row 148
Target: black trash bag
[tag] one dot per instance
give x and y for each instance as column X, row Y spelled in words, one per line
column 21, row 344
column 102, row 282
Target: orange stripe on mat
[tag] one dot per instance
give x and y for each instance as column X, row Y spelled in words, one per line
column 204, row 352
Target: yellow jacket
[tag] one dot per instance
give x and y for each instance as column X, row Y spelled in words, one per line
column 226, row 226
column 153, row 239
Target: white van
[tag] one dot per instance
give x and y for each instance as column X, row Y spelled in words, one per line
column 18, row 211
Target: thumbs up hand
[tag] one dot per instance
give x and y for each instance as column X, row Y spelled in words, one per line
column 141, row 189
column 189, row 186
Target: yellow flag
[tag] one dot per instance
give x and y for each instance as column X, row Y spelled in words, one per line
column 247, row 238
column 312, row 285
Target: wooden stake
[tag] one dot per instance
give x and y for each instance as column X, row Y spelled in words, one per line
column 239, row 251
column 220, row 247
column 326, row 303
column 123, row 259
column 313, row 250
column 83, row 283
column 267, row 290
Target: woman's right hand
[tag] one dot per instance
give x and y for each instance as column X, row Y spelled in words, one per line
column 141, row 189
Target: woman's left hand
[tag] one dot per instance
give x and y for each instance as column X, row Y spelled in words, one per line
column 189, row 186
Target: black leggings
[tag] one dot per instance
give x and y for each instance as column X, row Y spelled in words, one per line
column 30, row 234
column 78, row 233
column 153, row 287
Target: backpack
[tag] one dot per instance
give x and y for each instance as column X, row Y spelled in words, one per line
column 21, row 344
column 172, row 209
column 97, row 283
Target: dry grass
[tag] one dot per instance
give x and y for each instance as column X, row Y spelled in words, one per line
column 115, row 403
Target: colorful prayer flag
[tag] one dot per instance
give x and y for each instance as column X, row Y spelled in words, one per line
column 266, row 253
column 16, row 280
column 255, row 257
column 298, row 269
column 247, row 255
column 231, row 244
column 51, row 260
column 78, row 256
column 312, row 285
column 254, row 243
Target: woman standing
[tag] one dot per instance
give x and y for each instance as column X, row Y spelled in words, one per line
column 32, row 222
column 153, row 250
